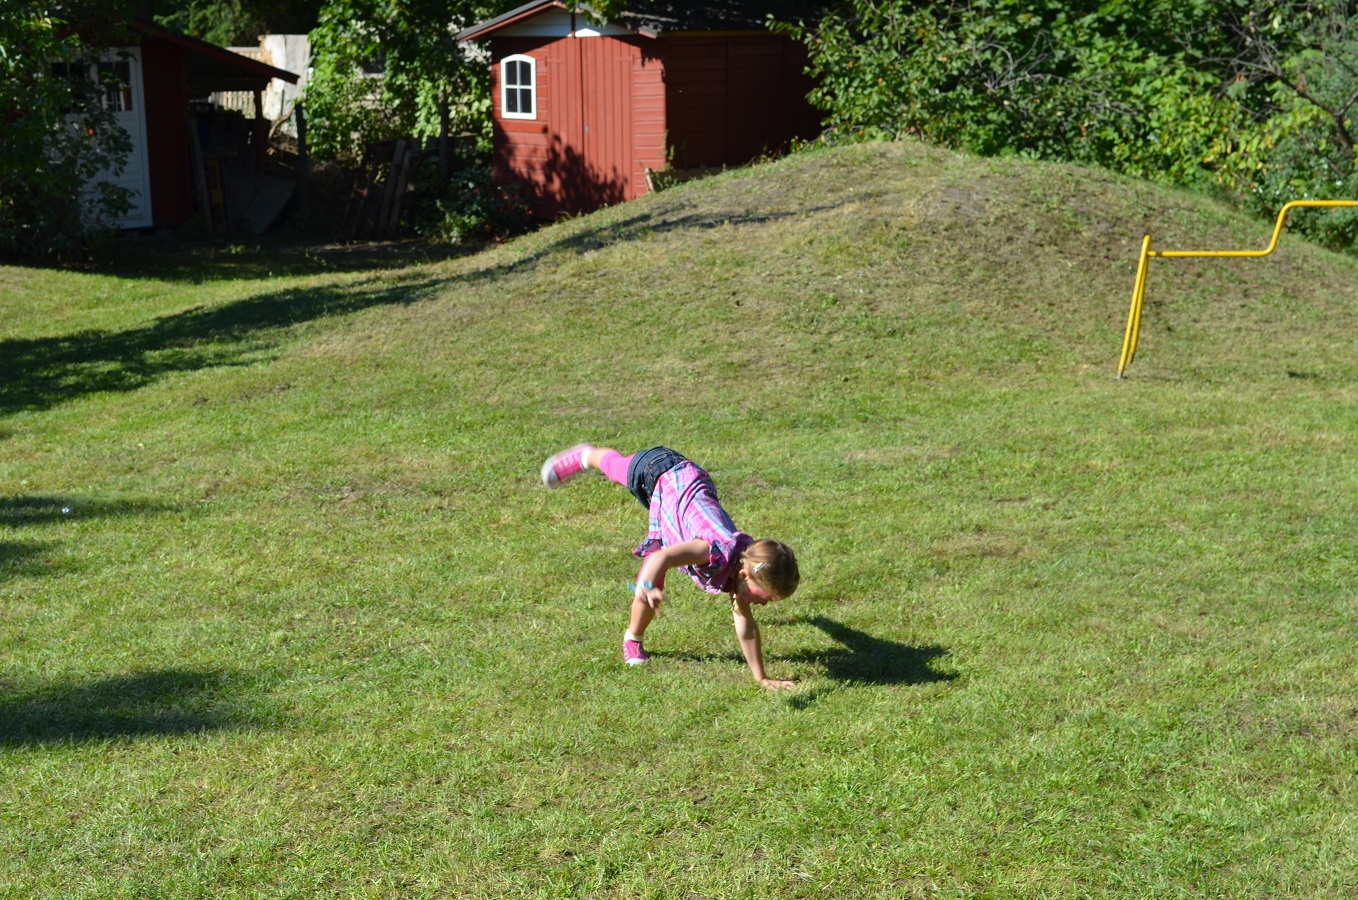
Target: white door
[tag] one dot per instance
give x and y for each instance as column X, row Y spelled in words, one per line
column 121, row 71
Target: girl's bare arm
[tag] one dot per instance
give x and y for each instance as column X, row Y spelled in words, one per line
column 747, row 632
column 690, row 553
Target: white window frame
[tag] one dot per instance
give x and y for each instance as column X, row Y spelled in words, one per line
column 505, row 88
column 128, row 106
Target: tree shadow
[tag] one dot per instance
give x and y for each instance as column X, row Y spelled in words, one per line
column 22, row 558
column 39, row 373
column 176, row 259
column 36, row 559
column 569, row 184
column 679, row 216
column 864, row 659
column 160, row 703
column 34, row 510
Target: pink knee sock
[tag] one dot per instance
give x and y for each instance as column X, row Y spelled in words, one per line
column 614, row 466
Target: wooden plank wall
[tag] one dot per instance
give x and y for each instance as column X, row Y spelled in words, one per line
column 600, row 122
column 166, row 90
column 732, row 97
column 606, row 120
column 649, row 119
column 521, row 145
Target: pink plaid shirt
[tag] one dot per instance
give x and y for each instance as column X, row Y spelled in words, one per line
column 684, row 506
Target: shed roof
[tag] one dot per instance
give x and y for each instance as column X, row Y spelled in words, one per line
column 656, row 17
column 211, row 68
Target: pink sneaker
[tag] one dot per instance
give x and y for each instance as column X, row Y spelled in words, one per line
column 632, row 654
column 564, row 466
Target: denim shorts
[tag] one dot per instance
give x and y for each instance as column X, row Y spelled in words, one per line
column 645, row 470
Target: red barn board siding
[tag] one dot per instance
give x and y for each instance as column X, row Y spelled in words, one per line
column 606, row 119
column 521, row 145
column 167, row 137
column 648, row 116
column 695, row 100
column 756, row 106
column 732, row 97
column 584, row 149
column 610, row 107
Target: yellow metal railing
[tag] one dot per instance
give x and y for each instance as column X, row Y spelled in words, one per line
column 1133, row 332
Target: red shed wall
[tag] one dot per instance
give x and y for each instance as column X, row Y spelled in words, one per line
column 600, row 122
column 648, row 116
column 730, row 98
column 167, row 116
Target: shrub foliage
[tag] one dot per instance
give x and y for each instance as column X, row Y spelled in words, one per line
column 1253, row 97
column 58, row 141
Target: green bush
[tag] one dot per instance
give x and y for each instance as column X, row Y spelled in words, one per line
column 383, row 71
column 1299, row 145
column 1070, row 81
column 57, row 142
column 469, row 208
column 1253, row 97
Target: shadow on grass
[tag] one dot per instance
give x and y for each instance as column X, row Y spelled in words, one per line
column 864, row 659
column 22, row 558
column 683, row 217
column 36, row 559
column 36, row 510
column 37, row 374
column 187, row 263
column 165, row 702
column 182, row 261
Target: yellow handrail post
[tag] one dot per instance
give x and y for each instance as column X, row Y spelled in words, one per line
column 1133, row 331
column 1140, row 302
column 1134, row 314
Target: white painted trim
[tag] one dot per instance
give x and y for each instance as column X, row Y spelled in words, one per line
column 136, row 173
column 589, row 31
column 505, row 88
column 558, row 23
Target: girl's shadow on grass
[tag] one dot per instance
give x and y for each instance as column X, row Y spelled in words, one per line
column 864, row 659
column 165, row 702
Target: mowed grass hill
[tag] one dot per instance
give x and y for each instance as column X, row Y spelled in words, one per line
column 285, row 611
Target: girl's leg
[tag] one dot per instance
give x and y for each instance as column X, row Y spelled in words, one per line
column 642, row 614
column 614, row 466
column 609, row 461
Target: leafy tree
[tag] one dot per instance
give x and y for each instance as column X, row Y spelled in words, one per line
column 1112, row 82
column 58, row 142
column 387, row 68
column 238, row 22
column 1294, row 67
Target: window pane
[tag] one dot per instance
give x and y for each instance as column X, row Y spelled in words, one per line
column 525, row 73
column 511, row 101
column 526, row 101
column 511, row 74
column 116, row 78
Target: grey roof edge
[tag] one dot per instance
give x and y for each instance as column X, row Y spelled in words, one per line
column 654, row 17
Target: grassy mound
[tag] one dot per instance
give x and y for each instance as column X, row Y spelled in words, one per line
column 284, row 611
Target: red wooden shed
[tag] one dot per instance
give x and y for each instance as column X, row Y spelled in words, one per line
column 163, row 75
column 581, row 110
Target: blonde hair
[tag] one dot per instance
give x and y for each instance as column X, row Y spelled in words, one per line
column 773, row 567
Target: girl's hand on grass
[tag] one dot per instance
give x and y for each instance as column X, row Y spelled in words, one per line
column 775, row 685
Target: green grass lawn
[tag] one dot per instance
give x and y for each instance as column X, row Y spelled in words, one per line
column 285, row 612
